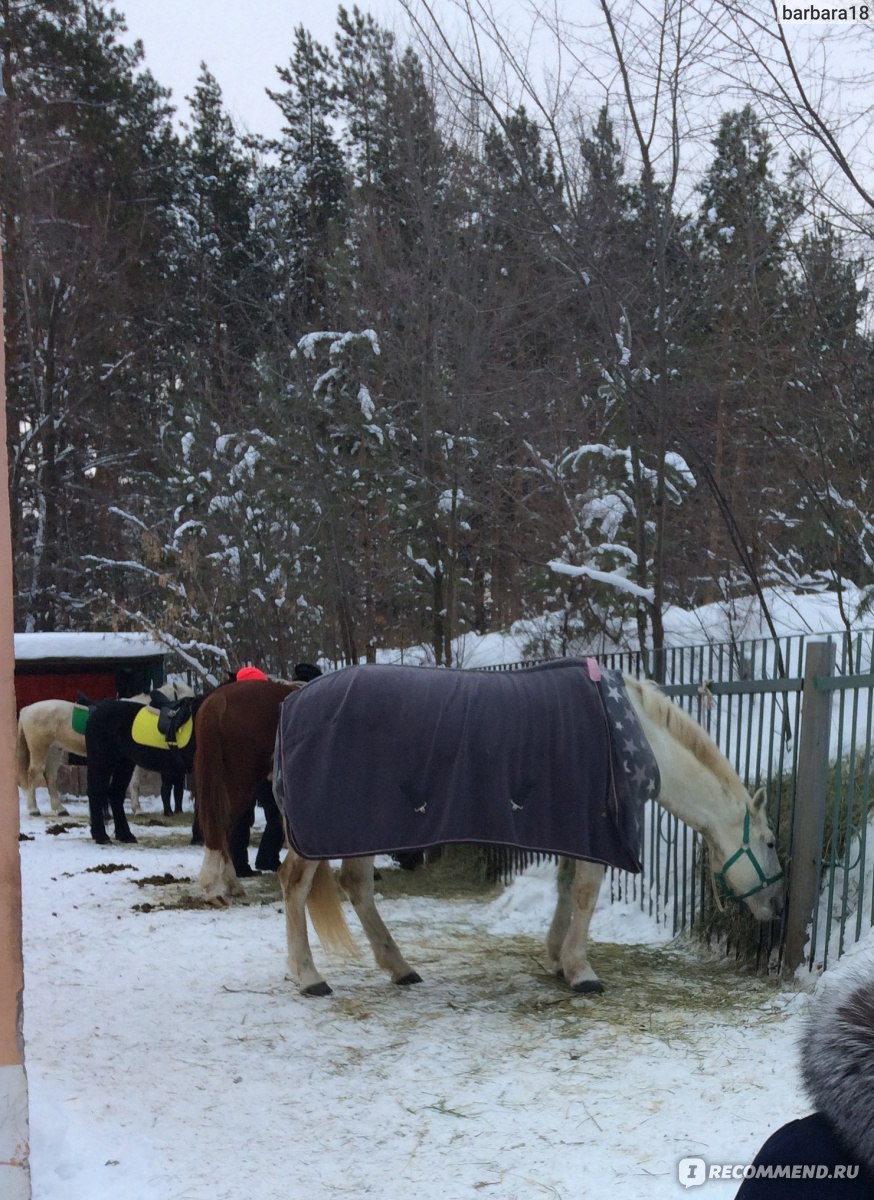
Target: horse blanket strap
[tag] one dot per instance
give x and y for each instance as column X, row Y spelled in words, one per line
column 386, row 759
column 168, row 728
column 79, row 718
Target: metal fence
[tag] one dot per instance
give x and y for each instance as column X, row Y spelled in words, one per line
column 794, row 716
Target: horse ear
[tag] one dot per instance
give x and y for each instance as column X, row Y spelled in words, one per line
column 759, row 798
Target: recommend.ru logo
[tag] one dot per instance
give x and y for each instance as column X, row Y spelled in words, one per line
column 692, row 1172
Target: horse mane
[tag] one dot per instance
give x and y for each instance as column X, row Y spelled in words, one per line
column 680, row 725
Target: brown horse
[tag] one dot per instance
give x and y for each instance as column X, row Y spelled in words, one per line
column 234, row 731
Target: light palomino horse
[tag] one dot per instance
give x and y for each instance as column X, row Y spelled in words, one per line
column 45, row 731
column 698, row 785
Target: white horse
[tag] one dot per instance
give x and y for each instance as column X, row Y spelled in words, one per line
column 698, row 785
column 45, row 731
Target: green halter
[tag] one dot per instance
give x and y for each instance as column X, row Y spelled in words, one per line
column 765, row 881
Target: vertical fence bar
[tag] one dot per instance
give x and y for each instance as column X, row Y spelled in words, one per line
column 809, row 810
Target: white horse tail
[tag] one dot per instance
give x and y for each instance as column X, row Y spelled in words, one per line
column 22, row 757
column 326, row 911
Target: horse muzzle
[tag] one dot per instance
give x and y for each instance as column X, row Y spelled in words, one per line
column 767, row 905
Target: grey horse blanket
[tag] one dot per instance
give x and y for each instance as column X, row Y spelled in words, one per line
column 384, row 759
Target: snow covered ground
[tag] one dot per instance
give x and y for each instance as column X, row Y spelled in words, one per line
column 169, row 1058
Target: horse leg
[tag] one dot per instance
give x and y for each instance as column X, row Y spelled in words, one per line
column 218, row 878
column 178, row 792
column 573, row 956
column 53, row 761
column 196, row 834
column 41, row 757
column 167, row 782
column 238, row 842
column 30, row 782
column 296, row 877
column 273, row 837
column 24, row 769
column 98, row 785
column 561, row 918
column 121, row 777
column 29, row 790
column 356, row 880
column 135, row 785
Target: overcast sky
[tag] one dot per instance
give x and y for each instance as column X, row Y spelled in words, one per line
column 241, row 41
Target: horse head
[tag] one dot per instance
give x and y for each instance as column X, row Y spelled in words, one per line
column 702, row 788
column 744, row 862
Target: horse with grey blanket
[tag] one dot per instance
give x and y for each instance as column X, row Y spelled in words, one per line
column 558, row 758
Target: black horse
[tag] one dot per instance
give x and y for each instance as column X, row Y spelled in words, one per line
column 112, row 755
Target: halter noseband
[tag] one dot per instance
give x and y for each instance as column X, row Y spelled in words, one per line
column 765, row 881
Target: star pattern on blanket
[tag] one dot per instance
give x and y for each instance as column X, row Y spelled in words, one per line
column 521, row 794
column 414, row 796
column 633, row 755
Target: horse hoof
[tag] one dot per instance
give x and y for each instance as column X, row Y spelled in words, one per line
column 588, row 987
column 413, row 977
column 102, row 839
column 317, row 989
column 124, row 837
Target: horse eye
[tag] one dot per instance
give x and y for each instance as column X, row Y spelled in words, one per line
column 772, row 844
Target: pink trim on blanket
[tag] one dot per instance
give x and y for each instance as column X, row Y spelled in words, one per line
column 594, row 669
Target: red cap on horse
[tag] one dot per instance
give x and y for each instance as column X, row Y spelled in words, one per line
column 250, row 673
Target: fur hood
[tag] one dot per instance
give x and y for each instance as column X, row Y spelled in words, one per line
column 837, row 1065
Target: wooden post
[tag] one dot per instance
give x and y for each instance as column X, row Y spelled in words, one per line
column 14, row 1129
column 808, row 813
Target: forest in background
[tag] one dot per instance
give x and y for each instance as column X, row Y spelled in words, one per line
column 358, row 387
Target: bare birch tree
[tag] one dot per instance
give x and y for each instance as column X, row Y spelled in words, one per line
column 814, row 86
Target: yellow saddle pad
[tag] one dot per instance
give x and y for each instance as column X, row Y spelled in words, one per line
column 145, row 731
